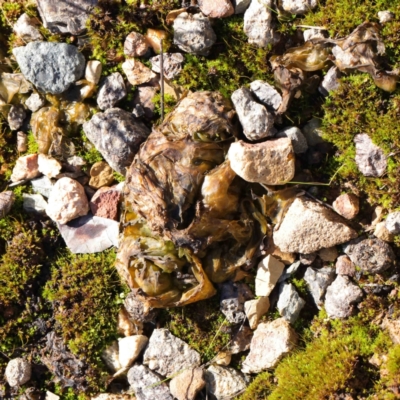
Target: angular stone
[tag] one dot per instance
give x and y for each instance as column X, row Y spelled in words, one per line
column 26, row 167
column 26, row 28
column 216, row 8
column 129, row 349
column 271, row 162
column 187, row 384
column 307, row 259
column 241, row 6
column 93, row 71
column 16, row 117
column 233, row 297
column 297, row 138
column 22, row 142
column 143, row 97
column 18, row 372
column 329, row 254
column 137, row 73
column 110, row 356
column 67, row 201
column 51, row 396
column 193, row 33
column 313, row 33
column 258, row 23
column 147, row 385
column 6, row 202
column 112, row 90
column 117, row 135
column 385, row 16
column 318, row 281
column 125, row 326
column 101, row 174
column 330, row 82
column 392, row 222
column 372, row 255
column 289, row 271
column 154, row 37
column 166, row 354
column 135, row 45
column 105, row 203
column 48, row 166
column 341, row 297
column 370, row 159
column 255, row 309
column 34, row 203
column 43, row 186
column 308, row 227
column 172, row 64
column 268, row 272
column 313, row 132
column 344, row 266
column 347, row 205
column 299, row 7
column 65, row 16
column 257, row 122
column 289, row 303
column 271, row 341
column 90, row 234
column 35, row 102
column 382, row 233
column 241, row 340
column 51, row 67
column 224, row 382
column 266, row 93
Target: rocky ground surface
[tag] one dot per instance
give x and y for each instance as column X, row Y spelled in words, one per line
column 199, row 200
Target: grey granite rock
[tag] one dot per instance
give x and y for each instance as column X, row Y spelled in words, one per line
column 258, row 23
column 224, row 382
column 65, row 16
column 289, row 303
column 370, row 159
column 117, row 135
column 299, row 141
column 172, row 64
column 34, row 203
column 318, row 281
column 51, row 67
column 112, row 90
column 233, row 297
column 266, row 93
column 35, row 102
column 392, row 222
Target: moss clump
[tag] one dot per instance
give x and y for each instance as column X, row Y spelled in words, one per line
column 260, row 388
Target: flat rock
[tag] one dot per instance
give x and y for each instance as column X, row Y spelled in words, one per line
column 16, row 117
column 341, row 297
column 7, row 200
column 255, row 309
column 27, row 28
column 224, row 382
column 51, row 67
column 266, row 94
column 67, row 201
column 347, row 205
column 48, row 166
column 370, row 159
column 117, row 135
column 101, row 174
column 65, row 16
column 90, row 234
column 105, row 203
column 26, row 167
column 137, row 73
column 271, row 341
column 318, row 281
column 392, row 222
column 34, row 203
column 289, row 303
column 299, row 7
column 308, row 227
column 172, row 64
column 187, row 384
column 216, row 8
column 43, row 186
column 112, row 90
column 166, row 354
column 193, row 33
column 129, row 349
column 371, row 255
column 330, row 82
column 147, row 385
column 35, row 102
column 271, row 162
column 258, row 23
column 135, row 45
column 233, row 297
column 297, row 138
column 93, row 71
column 268, row 272
column 257, row 122
column 18, row 372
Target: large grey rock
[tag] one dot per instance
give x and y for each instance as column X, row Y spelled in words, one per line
column 233, row 297
column 112, row 90
column 90, row 234
column 392, row 222
column 258, row 23
column 297, row 138
column 330, row 82
column 65, row 16
column 289, row 303
column 298, row 7
column 18, row 372
column 166, row 354
column 117, row 135
column 370, row 159
column 216, row 8
column 147, row 385
column 193, row 33
column 6, row 202
column 172, row 64
column 309, row 226
column 318, row 281
column 224, row 382
column 26, row 28
column 341, row 297
column 266, row 93
column 371, row 255
column 271, row 341
column 271, row 162
column 257, row 122
column 51, row 67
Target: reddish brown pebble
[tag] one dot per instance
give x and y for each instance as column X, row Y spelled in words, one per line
column 347, row 205
column 344, row 266
column 105, row 203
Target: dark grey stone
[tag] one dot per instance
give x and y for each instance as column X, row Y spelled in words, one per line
column 16, row 117
column 233, row 297
column 318, row 281
column 112, row 90
column 289, row 303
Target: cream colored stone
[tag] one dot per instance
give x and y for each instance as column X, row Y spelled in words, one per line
column 51, row 396
column 271, row 162
column 268, row 272
column 393, row 328
column 222, row 358
column 329, row 254
column 255, row 309
column 382, row 233
column 129, row 349
column 93, row 71
column 187, row 384
column 110, row 356
column 25, row 168
column 48, row 166
column 136, row 72
column 154, row 37
column 347, row 205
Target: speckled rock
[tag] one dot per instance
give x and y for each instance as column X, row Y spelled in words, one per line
column 35, row 102
column 6, row 202
column 26, row 167
column 347, row 205
column 297, row 138
column 266, row 94
column 233, row 297
column 216, row 8
column 258, row 23
column 392, row 222
column 344, row 266
column 172, row 65
column 137, row 73
column 289, row 303
column 18, row 372
column 112, row 90
column 135, row 45
column 16, row 117
column 105, row 203
column 298, row 7
column 27, row 28
column 318, row 281
column 187, row 384
column 51, row 67
column 370, row 159
column 224, row 382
